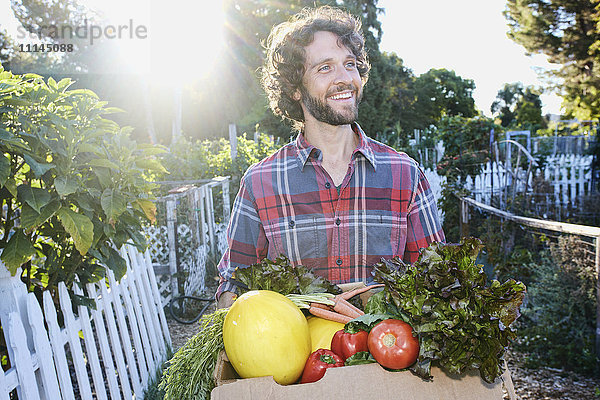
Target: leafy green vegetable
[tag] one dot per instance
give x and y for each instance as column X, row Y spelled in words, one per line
column 366, row 322
column 461, row 321
column 280, row 276
column 189, row 375
column 362, row 357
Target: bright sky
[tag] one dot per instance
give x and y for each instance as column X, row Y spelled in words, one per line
column 171, row 33
column 467, row 36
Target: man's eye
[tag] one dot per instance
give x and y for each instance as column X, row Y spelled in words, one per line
column 350, row 64
column 324, row 68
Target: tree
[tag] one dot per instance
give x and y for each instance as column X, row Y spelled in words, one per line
column 440, row 93
column 568, row 32
column 7, row 48
column 56, row 22
column 529, row 110
column 506, row 99
column 388, row 96
column 518, row 107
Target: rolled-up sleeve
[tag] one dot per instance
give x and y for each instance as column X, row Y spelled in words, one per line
column 423, row 222
column 246, row 238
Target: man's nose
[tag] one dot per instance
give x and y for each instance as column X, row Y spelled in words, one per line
column 342, row 75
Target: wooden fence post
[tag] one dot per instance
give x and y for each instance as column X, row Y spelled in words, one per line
column 233, row 140
column 172, row 236
column 226, row 202
column 464, row 218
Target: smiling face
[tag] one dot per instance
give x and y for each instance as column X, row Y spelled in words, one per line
column 331, row 87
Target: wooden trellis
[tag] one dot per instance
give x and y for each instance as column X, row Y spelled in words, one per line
column 202, row 232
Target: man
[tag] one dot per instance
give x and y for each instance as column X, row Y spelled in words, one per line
column 334, row 200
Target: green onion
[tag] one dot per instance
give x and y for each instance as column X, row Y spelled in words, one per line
column 304, row 300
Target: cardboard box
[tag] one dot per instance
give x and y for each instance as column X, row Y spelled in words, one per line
column 359, row 382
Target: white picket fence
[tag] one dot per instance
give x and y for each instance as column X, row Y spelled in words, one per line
column 46, row 353
column 570, row 177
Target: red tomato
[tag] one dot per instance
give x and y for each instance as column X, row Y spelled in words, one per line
column 392, row 344
column 346, row 344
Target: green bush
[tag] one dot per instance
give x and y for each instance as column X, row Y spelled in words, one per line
column 74, row 186
column 558, row 324
column 206, row 159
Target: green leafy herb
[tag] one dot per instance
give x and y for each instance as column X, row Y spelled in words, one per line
column 280, row 276
column 461, row 321
column 189, row 375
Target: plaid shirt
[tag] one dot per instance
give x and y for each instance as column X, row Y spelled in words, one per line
column 288, row 204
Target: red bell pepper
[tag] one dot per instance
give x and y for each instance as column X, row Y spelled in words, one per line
column 317, row 363
column 346, row 344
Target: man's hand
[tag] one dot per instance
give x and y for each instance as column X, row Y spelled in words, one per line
column 226, row 300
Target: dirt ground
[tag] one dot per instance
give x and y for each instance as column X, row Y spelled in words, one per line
column 530, row 384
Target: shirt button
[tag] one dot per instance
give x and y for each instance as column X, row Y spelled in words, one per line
column 338, row 221
column 292, row 223
column 339, row 261
column 327, row 185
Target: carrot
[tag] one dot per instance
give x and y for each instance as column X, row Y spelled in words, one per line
column 320, row 305
column 351, row 293
column 344, row 307
column 330, row 315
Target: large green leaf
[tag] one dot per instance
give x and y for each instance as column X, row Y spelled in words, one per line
column 103, row 162
column 79, row 227
column 35, row 197
column 65, row 185
column 4, row 169
column 151, row 149
column 18, row 250
column 89, row 148
column 7, row 137
column 31, row 219
column 64, row 83
column 16, row 102
column 116, row 263
column 151, row 165
column 148, row 208
column 113, row 203
column 38, row 168
column 56, row 145
column 104, row 177
column 11, row 186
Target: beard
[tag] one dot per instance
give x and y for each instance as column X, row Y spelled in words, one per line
column 323, row 112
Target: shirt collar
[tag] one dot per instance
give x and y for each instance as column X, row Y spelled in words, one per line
column 305, row 149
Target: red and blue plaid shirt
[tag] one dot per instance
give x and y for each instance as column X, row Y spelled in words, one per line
column 288, row 204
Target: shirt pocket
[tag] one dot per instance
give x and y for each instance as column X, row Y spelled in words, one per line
column 382, row 234
column 298, row 238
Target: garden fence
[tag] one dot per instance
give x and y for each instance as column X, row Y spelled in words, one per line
column 188, row 235
column 569, row 177
column 112, row 351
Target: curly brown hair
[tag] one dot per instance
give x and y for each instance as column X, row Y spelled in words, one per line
column 284, row 65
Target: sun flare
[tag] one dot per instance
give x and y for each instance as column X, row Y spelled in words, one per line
column 181, row 36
